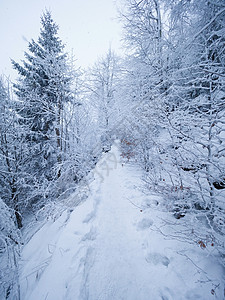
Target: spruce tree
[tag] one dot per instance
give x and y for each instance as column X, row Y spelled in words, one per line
column 44, row 84
column 43, row 89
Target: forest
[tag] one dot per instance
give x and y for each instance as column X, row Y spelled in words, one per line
column 164, row 101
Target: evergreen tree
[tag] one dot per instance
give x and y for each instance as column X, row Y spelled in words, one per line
column 43, row 89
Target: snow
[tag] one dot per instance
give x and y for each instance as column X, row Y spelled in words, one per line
column 117, row 245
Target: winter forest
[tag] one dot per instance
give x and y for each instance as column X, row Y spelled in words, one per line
column 146, row 130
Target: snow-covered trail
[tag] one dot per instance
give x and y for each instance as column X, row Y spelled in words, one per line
column 119, row 269
column 105, row 249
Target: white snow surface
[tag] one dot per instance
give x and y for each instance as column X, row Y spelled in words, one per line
column 111, row 248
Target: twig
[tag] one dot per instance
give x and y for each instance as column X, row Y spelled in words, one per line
column 134, row 204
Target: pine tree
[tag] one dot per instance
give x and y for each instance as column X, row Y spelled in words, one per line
column 43, row 89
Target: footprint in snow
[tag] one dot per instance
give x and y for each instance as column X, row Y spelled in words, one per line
column 90, row 217
column 144, row 224
column 90, row 236
column 168, row 294
column 92, row 214
column 157, row 258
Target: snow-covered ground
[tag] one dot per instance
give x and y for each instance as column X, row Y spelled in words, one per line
column 118, row 244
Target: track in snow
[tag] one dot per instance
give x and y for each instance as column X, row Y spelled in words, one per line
column 106, row 250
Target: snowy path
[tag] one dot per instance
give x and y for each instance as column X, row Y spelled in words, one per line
column 105, row 250
column 119, row 269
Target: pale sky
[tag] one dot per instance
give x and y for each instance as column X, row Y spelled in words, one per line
column 88, row 27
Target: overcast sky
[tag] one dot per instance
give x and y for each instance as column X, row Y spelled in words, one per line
column 88, row 27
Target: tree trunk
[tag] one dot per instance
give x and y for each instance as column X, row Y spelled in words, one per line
column 16, row 208
column 58, row 137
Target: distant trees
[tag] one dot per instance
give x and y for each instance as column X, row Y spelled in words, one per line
column 102, row 86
